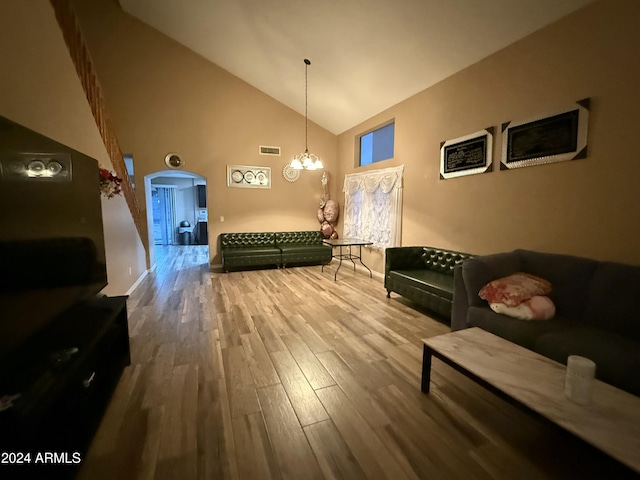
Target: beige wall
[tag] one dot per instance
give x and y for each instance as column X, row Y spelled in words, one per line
column 585, row 207
column 164, row 98
column 39, row 88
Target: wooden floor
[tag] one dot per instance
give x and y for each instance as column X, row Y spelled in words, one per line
column 286, row 374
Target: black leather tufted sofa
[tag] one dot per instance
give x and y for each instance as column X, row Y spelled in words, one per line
column 424, row 275
column 263, row 249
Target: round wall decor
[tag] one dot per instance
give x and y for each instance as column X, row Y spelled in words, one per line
column 290, row 174
column 237, row 176
column 173, row 160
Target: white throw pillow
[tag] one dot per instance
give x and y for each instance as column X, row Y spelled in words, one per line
column 536, row 308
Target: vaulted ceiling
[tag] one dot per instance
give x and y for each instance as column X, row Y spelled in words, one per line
column 366, row 55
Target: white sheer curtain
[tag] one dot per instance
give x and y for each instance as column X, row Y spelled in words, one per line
column 373, row 206
column 168, row 216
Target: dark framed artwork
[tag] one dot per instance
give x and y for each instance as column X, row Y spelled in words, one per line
column 555, row 137
column 467, row 155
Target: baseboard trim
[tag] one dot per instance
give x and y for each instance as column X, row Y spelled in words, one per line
column 138, row 281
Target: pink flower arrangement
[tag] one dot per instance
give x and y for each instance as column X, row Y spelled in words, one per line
column 109, row 183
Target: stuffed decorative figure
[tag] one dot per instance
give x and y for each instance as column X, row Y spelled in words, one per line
column 328, row 212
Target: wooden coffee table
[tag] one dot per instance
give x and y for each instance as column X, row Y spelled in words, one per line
column 611, row 422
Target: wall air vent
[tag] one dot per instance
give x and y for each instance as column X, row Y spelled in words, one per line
column 269, row 150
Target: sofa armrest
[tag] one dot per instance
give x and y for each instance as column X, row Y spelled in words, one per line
column 478, row 271
column 460, row 301
column 473, row 274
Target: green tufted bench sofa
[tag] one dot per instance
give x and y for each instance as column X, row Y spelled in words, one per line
column 304, row 247
column 264, row 249
column 423, row 275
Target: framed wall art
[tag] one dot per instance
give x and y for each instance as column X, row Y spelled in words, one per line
column 467, row 155
column 555, row 137
column 245, row 176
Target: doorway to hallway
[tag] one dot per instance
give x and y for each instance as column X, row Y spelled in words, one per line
column 176, row 210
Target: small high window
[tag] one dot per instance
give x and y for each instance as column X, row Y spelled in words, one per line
column 377, row 145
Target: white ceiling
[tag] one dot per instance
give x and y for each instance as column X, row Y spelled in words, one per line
column 366, row 55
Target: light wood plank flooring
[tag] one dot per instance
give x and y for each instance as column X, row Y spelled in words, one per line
column 286, row 374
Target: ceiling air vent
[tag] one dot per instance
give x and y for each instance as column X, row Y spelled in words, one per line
column 269, row 150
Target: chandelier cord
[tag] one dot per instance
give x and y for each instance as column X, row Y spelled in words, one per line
column 307, row 62
column 306, row 160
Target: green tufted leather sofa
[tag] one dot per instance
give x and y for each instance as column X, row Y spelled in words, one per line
column 299, row 248
column 423, row 275
column 249, row 249
column 264, row 249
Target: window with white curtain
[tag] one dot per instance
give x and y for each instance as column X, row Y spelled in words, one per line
column 373, row 206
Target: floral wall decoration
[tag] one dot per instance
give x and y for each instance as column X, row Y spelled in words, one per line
column 109, row 183
column 328, row 211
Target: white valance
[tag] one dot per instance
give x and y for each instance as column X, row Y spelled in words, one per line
column 386, row 179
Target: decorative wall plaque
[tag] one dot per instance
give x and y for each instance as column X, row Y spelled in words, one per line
column 556, row 137
column 467, row 155
column 245, row 176
column 290, row 174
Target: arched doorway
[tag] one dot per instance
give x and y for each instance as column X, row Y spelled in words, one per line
column 176, row 204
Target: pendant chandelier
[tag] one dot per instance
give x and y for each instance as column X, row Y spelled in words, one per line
column 306, row 160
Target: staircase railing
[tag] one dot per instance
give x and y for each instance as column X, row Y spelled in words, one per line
column 79, row 52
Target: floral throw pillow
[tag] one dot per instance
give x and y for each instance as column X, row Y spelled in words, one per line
column 514, row 289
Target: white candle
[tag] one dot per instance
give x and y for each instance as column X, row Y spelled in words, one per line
column 579, row 379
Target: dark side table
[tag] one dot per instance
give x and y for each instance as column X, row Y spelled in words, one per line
column 341, row 243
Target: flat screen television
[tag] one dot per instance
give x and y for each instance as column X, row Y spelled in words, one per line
column 52, row 252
